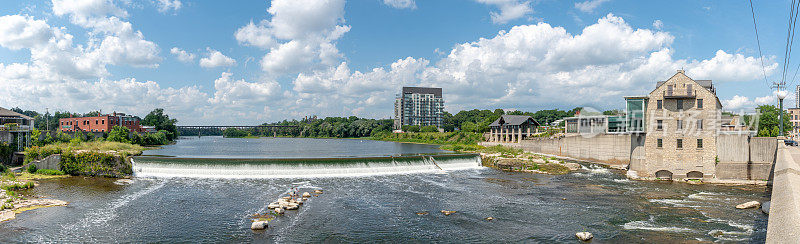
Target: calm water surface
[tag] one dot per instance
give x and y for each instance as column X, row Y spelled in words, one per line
column 525, row 207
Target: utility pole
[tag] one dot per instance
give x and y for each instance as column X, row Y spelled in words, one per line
column 47, row 119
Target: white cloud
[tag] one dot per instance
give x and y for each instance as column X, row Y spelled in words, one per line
column 589, row 6
column 509, row 10
column 401, row 4
column 168, row 5
column 215, row 59
column 300, row 36
column 182, row 55
column 18, row 32
column 731, row 67
column 742, row 103
column 657, row 24
column 242, row 93
column 543, row 65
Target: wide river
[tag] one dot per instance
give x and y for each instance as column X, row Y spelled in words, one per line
column 191, row 198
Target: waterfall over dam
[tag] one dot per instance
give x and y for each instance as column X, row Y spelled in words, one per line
column 300, row 168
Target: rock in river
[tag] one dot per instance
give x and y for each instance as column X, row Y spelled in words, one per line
column 258, row 225
column 274, row 205
column 447, row 213
column 306, row 194
column 584, row 236
column 318, row 191
column 279, row 210
column 765, row 207
column 750, row 204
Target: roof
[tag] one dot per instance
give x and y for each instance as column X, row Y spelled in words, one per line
column 707, row 84
column 513, row 120
column 8, row 113
column 437, row 92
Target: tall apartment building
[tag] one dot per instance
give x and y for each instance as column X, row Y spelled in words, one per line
column 797, row 96
column 682, row 123
column 103, row 123
column 421, row 106
column 794, row 119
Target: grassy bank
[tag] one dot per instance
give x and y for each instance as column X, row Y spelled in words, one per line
column 94, row 158
column 439, row 138
column 122, row 149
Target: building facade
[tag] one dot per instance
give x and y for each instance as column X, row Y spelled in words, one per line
column 794, row 119
column 682, row 128
column 103, row 123
column 422, row 106
column 15, row 128
column 512, row 128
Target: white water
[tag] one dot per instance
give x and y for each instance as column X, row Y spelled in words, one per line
column 301, row 170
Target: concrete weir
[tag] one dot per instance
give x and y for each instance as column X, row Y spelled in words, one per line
column 784, row 212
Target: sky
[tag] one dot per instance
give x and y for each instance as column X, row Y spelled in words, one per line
column 250, row 62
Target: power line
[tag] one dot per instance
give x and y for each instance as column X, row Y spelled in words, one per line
column 758, row 41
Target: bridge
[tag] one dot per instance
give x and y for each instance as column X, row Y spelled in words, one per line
column 217, row 129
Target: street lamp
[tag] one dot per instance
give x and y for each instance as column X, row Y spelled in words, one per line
column 781, row 96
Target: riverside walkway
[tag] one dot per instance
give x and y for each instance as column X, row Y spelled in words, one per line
column 784, row 212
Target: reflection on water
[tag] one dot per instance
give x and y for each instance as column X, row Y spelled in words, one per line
column 219, row 147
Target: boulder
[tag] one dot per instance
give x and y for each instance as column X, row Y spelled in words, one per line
column 317, row 191
column 489, row 218
column 750, row 204
column 292, row 206
column 422, row 213
column 448, row 213
column 274, row 205
column 258, row 225
column 306, row 194
column 573, row 166
column 765, row 207
column 287, row 198
column 279, row 210
column 584, row 236
column 305, row 199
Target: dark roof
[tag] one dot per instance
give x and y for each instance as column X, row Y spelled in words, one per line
column 437, row 92
column 513, row 120
column 8, row 113
column 707, row 84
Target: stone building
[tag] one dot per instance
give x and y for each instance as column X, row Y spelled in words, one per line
column 512, row 128
column 681, row 121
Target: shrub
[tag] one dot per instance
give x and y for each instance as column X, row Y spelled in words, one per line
column 79, row 163
column 429, row 128
column 32, row 168
column 49, row 172
column 119, row 134
column 3, row 168
column 18, row 186
column 411, row 128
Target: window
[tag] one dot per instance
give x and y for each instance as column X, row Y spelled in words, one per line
column 680, row 124
column 699, row 124
column 699, row 103
column 699, row 143
column 660, row 143
column 679, row 104
column 659, row 105
column 680, row 143
column 659, row 124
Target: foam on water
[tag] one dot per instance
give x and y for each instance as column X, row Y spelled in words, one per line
column 650, row 225
column 676, row 202
column 299, row 169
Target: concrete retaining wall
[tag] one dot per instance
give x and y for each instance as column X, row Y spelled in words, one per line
column 740, row 157
column 615, row 149
column 784, row 213
column 49, row 162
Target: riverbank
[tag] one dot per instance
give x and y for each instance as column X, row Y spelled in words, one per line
column 14, row 195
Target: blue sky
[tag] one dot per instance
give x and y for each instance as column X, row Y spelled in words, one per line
column 337, row 58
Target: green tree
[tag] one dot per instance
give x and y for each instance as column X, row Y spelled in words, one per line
column 119, row 134
column 411, row 128
column 769, row 119
column 429, row 128
column 162, row 121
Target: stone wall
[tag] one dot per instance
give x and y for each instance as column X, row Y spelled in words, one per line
column 610, row 148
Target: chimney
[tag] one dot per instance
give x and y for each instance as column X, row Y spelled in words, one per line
column 681, row 71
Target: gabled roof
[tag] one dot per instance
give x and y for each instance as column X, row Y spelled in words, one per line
column 8, row 113
column 513, row 120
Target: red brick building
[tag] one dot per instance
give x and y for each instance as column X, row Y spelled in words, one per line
column 102, row 123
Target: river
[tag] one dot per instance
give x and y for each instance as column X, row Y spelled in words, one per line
column 184, row 199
